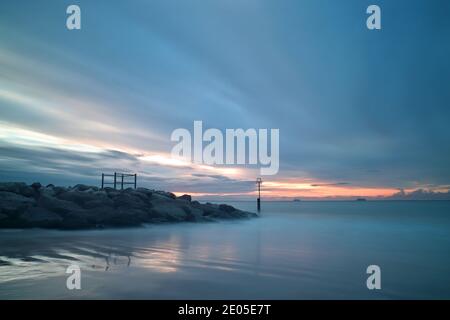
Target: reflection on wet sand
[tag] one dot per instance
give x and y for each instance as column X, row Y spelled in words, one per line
column 285, row 254
column 47, row 256
column 39, row 254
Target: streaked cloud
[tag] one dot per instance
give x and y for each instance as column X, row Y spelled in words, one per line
column 360, row 114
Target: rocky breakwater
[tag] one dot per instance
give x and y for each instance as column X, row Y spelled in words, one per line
column 86, row 207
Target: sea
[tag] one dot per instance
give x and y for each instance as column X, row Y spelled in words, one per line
column 293, row 250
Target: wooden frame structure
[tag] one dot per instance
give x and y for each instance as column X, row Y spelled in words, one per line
column 119, row 179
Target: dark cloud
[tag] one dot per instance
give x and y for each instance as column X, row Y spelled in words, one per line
column 420, row 194
column 330, row 184
column 59, row 166
column 69, row 167
column 212, row 176
column 367, row 108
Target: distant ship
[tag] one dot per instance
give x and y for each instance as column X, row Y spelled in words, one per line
column 361, row 199
column 296, row 200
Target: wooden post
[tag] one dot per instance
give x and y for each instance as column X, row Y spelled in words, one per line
column 103, row 179
column 258, row 201
column 115, row 179
column 135, row 179
column 121, row 187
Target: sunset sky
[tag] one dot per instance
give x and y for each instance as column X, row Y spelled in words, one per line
column 361, row 113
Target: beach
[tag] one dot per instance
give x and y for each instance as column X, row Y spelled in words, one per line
column 295, row 250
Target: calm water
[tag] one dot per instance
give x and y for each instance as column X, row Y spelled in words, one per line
column 294, row 251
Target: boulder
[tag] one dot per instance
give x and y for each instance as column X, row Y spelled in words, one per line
column 226, row 208
column 18, row 188
column 145, row 191
column 99, row 203
column 169, row 195
column 93, row 189
column 81, row 187
column 59, row 190
column 40, row 216
column 47, row 191
column 80, row 198
column 100, row 193
column 171, row 211
column 185, row 197
column 57, row 205
column 193, row 214
column 111, row 193
column 13, row 203
column 158, row 197
column 212, row 211
column 127, row 218
column 144, row 196
column 36, row 185
column 76, row 220
column 130, row 201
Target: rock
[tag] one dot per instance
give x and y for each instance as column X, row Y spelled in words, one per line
column 57, row 205
column 47, row 191
column 12, row 203
column 112, row 193
column 226, row 208
column 81, row 187
column 160, row 197
column 99, row 203
column 144, row 196
column 212, row 211
column 40, row 216
column 80, row 198
column 130, row 201
column 36, row 185
column 185, row 197
column 76, row 220
column 147, row 192
column 59, row 190
column 171, row 211
column 127, row 218
column 194, row 214
column 169, row 195
column 18, row 188
column 101, row 193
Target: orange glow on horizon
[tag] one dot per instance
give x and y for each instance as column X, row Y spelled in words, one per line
column 184, row 170
column 274, row 190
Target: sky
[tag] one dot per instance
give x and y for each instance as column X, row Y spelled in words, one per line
column 361, row 113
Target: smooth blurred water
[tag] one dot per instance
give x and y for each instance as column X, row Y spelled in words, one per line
column 295, row 250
